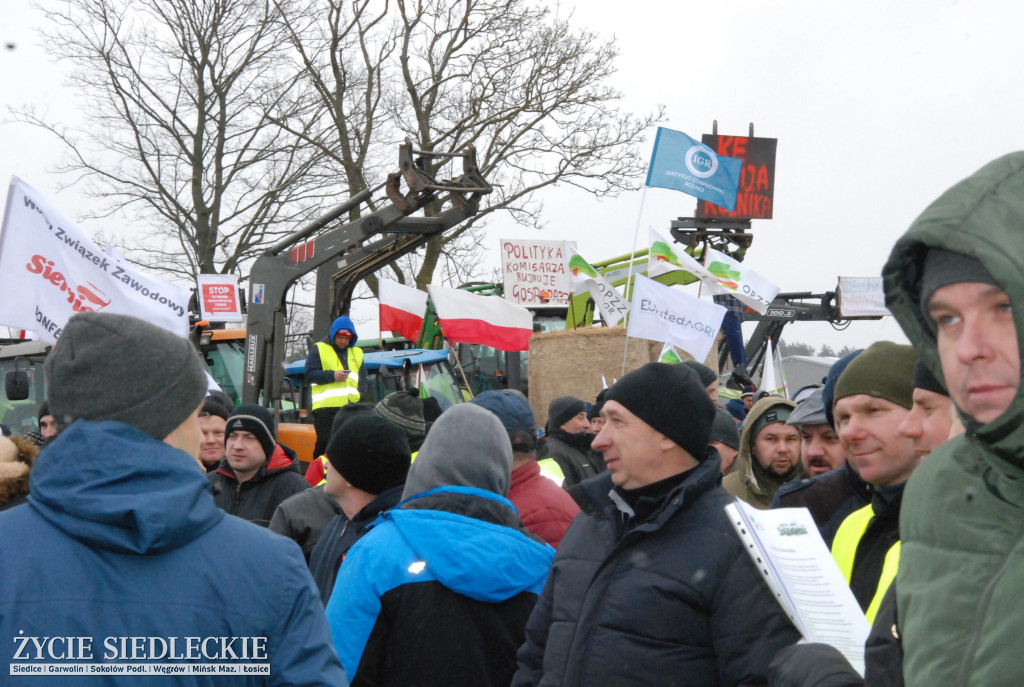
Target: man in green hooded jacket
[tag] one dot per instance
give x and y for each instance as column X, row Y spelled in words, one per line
column 952, row 282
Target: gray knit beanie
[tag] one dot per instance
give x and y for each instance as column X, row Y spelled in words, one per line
column 467, row 447
column 118, row 367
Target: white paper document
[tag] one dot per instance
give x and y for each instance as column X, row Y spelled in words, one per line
column 786, row 547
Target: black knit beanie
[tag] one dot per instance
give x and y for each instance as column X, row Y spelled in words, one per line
column 255, row 419
column 725, row 430
column 214, row 406
column 563, row 409
column 371, row 453
column 346, row 413
column 118, row 367
column 44, row 410
column 706, row 374
column 924, row 379
column 884, row 370
column 595, row 410
column 672, row 400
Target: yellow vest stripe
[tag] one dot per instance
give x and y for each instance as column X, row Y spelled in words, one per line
column 844, row 550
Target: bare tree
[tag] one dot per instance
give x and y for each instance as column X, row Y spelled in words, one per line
column 524, row 87
column 181, row 99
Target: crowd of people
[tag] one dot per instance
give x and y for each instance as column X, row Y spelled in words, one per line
column 469, row 547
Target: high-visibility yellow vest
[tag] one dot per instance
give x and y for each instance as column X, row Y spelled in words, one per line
column 337, row 394
column 550, row 468
column 844, row 550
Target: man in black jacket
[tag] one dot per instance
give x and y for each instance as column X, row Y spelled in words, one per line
column 369, row 458
column 651, row 585
column 257, row 473
column 566, row 446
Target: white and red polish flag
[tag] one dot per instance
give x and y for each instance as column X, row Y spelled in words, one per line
column 485, row 320
column 401, row 308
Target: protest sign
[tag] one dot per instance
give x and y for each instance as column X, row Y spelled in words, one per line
column 218, row 298
column 534, row 273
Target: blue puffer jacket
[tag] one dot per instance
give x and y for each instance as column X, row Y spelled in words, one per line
column 121, row 538
column 438, row 592
column 674, row 600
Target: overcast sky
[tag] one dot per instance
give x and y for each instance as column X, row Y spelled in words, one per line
column 877, row 107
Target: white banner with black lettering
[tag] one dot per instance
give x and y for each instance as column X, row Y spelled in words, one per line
column 660, row 313
column 50, row 269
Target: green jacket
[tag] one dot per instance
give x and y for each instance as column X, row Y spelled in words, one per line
column 960, row 586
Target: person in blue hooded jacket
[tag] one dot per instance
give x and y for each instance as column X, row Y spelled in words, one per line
column 334, row 371
column 439, row 590
column 121, row 558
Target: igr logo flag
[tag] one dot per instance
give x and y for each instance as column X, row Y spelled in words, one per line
column 660, row 313
column 683, row 164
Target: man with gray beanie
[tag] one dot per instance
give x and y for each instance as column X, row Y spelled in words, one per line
column 120, row 536
column 651, row 582
column 439, row 590
column 257, row 472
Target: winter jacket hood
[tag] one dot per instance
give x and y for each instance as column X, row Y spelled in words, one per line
column 343, row 322
column 748, row 477
column 466, row 447
column 165, row 505
column 471, row 568
column 980, row 217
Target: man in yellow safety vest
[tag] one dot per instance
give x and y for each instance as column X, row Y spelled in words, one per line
column 334, row 370
column 873, row 397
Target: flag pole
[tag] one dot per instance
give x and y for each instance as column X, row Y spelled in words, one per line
column 459, row 363
column 629, row 275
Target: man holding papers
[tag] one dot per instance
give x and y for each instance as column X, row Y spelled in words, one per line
column 651, row 584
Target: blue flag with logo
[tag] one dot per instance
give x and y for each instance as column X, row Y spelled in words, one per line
column 683, row 164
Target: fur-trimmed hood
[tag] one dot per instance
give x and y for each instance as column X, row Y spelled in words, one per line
column 17, row 456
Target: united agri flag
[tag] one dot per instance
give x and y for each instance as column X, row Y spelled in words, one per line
column 660, row 313
column 583, row 277
column 485, row 320
column 401, row 308
column 57, row 271
column 683, row 164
